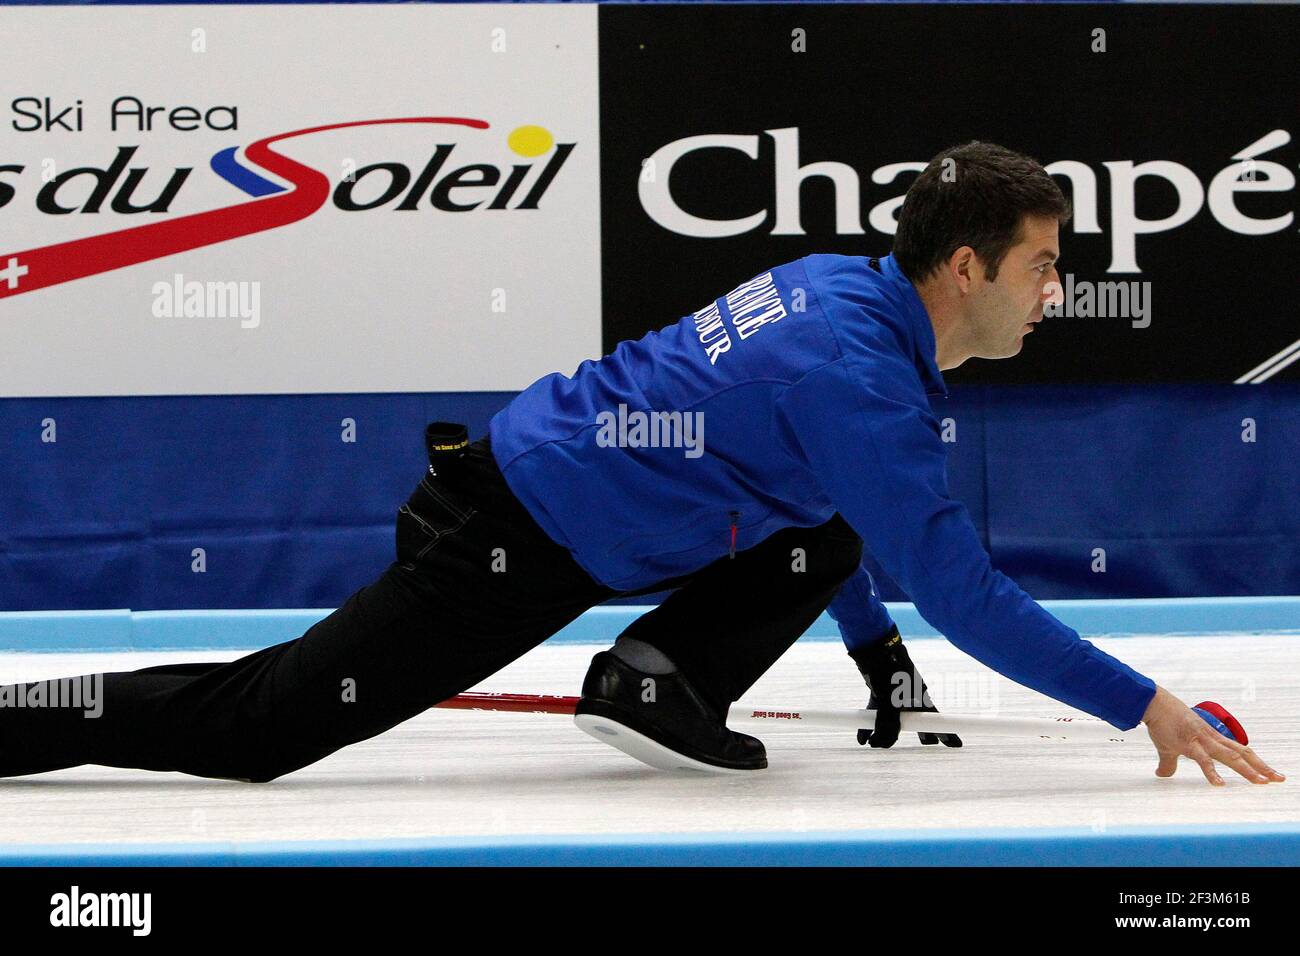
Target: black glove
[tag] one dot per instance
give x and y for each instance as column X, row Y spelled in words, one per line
column 893, row 680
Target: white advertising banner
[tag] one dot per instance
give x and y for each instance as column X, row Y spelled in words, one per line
column 280, row 199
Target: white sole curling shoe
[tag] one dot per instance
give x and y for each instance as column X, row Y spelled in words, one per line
column 642, row 748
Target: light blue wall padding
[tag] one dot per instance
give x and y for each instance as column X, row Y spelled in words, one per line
column 195, row 630
column 66, row 630
column 1275, row 844
column 220, row 629
column 1210, row 615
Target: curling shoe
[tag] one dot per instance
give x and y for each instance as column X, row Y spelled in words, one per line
column 661, row 720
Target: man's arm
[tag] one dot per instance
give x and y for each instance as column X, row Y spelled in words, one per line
column 875, row 446
column 857, row 609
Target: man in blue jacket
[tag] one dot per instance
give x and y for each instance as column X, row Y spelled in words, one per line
column 739, row 458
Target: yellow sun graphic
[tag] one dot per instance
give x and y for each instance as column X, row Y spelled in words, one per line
column 530, row 140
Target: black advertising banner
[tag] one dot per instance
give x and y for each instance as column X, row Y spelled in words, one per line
column 737, row 137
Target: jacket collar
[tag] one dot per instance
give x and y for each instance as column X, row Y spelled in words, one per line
column 923, row 344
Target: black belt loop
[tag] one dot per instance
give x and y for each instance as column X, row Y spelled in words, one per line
column 445, row 442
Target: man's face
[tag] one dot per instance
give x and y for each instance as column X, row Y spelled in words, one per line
column 1002, row 312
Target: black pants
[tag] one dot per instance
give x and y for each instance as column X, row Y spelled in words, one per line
column 476, row 584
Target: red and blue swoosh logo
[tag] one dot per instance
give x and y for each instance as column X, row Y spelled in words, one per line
column 272, row 206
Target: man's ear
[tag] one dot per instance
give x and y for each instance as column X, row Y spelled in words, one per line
column 961, row 266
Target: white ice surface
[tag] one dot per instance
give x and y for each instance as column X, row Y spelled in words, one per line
column 468, row 773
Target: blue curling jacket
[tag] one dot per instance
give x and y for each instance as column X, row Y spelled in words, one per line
column 811, row 384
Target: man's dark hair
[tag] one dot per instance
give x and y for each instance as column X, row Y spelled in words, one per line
column 973, row 195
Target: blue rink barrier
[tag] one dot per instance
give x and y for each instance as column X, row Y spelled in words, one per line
column 126, row 630
column 1265, row 844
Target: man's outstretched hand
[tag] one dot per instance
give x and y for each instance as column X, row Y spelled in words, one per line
column 1177, row 732
column 896, row 688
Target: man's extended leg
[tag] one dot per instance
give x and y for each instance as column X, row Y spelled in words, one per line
column 444, row 616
